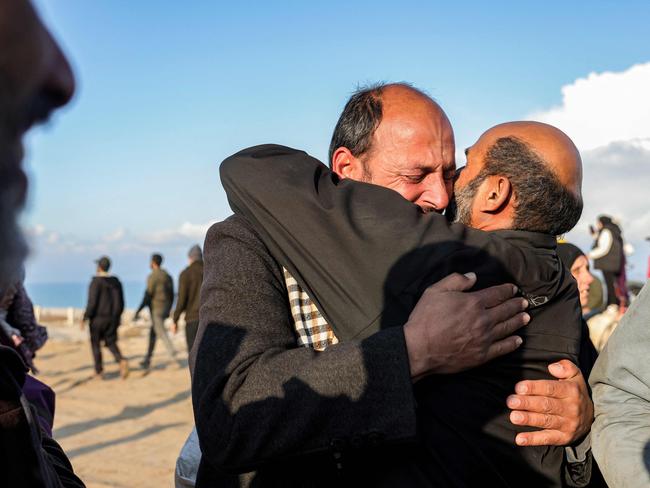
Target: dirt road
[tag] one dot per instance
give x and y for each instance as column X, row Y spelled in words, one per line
column 118, row 433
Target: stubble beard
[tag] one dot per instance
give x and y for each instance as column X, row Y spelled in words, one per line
column 13, row 247
column 459, row 210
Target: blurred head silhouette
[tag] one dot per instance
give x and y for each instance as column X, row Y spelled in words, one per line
column 35, row 79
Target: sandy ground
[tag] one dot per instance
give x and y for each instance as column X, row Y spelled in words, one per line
column 118, row 433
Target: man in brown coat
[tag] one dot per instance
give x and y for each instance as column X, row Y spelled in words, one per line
column 189, row 293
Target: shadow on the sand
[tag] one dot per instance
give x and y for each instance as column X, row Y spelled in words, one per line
column 133, row 437
column 127, row 413
column 73, row 385
column 60, row 352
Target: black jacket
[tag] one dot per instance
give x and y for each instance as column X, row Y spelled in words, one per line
column 29, row 457
column 105, row 299
column 262, row 403
column 366, row 255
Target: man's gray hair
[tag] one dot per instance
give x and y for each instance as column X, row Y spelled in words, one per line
column 543, row 203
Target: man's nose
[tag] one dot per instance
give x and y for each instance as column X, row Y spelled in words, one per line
column 58, row 84
column 435, row 196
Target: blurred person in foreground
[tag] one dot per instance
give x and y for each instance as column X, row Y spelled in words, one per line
column 35, row 79
column 621, row 391
column 189, row 294
column 104, row 312
column 346, row 394
column 159, row 297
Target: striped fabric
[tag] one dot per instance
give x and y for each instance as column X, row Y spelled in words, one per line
column 311, row 327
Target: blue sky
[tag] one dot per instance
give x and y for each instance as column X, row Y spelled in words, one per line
column 166, row 90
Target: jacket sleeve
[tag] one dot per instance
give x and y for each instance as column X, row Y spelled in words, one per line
column 120, row 301
column 146, row 302
column 151, row 285
column 257, row 396
column 181, row 303
column 93, row 298
column 21, row 313
column 621, row 391
column 170, row 287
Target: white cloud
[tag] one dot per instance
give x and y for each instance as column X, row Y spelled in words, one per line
column 608, row 117
column 56, row 256
column 604, row 108
column 116, row 236
column 187, row 231
column 44, row 239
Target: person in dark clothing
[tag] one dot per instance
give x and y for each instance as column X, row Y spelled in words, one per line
column 19, row 325
column 104, row 311
column 609, row 257
column 159, row 297
column 358, row 391
column 30, row 457
column 366, row 255
column 189, row 294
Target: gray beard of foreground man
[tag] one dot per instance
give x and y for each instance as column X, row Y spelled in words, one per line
column 35, row 79
column 12, row 245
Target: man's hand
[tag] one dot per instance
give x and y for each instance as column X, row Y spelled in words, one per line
column 561, row 408
column 17, row 339
column 451, row 330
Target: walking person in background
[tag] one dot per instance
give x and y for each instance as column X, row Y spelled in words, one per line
column 608, row 256
column 104, row 310
column 159, row 297
column 189, row 293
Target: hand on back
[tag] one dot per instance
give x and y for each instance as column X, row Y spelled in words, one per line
column 452, row 330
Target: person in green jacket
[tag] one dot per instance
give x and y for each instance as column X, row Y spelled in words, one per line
column 159, row 297
column 189, row 294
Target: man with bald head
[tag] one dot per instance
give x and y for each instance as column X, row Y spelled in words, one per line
column 411, row 150
column 395, row 137
column 537, row 159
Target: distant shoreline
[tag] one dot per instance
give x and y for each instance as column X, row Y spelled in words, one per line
column 74, row 294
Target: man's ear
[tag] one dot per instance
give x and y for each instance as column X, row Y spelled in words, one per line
column 346, row 165
column 496, row 194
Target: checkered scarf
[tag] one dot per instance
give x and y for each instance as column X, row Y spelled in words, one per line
column 311, row 327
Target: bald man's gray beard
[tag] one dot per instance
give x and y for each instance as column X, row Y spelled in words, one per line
column 13, row 249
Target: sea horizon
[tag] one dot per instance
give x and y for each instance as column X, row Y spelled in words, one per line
column 75, row 293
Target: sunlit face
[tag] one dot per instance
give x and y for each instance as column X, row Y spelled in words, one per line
column 580, row 272
column 35, row 78
column 415, row 157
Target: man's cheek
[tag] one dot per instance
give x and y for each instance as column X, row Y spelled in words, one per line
column 449, row 186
